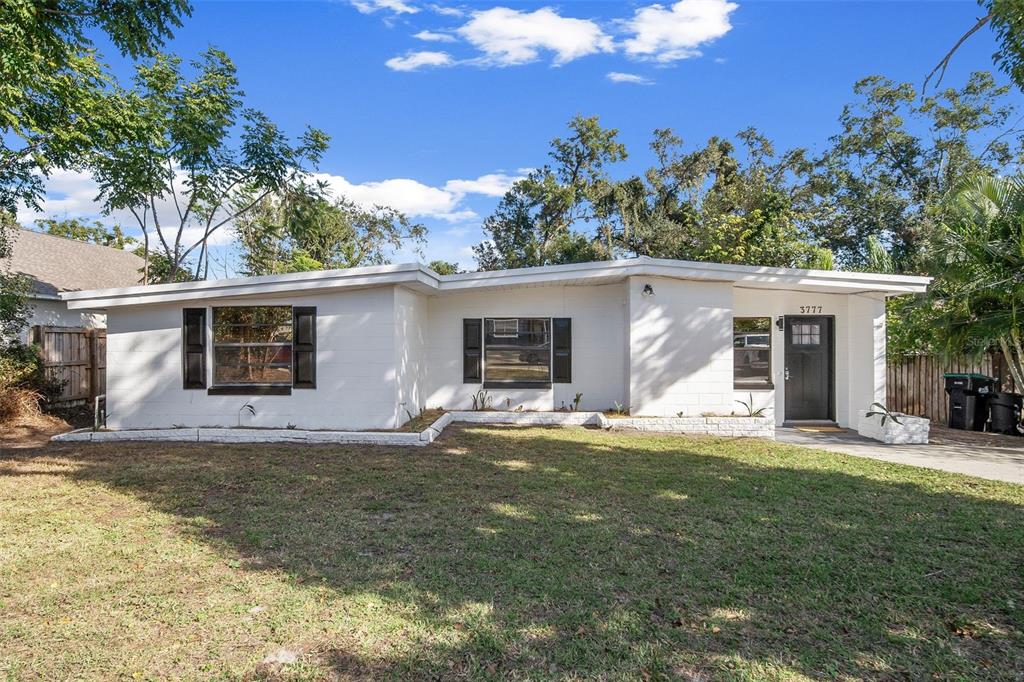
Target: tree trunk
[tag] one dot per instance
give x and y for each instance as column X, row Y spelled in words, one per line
column 1014, row 361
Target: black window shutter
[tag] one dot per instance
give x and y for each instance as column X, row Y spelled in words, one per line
column 472, row 347
column 193, row 341
column 304, row 347
column 561, row 340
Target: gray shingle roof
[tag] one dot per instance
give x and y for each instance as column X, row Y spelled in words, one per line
column 58, row 264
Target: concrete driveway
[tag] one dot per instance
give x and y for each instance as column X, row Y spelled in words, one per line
column 1000, row 458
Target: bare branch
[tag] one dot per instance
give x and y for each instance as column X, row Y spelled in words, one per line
column 943, row 64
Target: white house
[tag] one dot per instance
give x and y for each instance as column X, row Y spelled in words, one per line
column 367, row 347
column 55, row 265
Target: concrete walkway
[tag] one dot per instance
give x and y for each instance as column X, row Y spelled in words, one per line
column 984, row 460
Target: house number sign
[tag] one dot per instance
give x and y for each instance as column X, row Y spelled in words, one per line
column 810, row 309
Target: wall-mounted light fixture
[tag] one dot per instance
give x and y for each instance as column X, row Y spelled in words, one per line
column 780, row 323
column 648, row 290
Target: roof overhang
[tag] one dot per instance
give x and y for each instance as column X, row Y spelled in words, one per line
column 420, row 278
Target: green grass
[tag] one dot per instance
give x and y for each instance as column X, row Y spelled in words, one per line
column 505, row 553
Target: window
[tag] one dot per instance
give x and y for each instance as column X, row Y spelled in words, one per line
column 506, row 329
column 806, row 334
column 517, row 350
column 752, row 352
column 252, row 345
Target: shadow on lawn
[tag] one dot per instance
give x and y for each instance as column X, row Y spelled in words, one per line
column 537, row 550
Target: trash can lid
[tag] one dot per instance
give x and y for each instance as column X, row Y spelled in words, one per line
column 970, row 375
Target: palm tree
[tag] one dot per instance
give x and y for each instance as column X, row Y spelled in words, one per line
column 979, row 255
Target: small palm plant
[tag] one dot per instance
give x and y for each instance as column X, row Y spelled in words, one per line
column 749, row 405
column 878, row 409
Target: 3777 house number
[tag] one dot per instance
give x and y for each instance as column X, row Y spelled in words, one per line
column 810, row 309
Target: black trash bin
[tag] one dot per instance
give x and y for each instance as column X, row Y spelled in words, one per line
column 1005, row 409
column 968, row 400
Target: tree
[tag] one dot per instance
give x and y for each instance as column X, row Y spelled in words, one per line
column 978, row 299
column 194, row 153
column 882, row 178
column 533, row 223
column 90, row 233
column 1007, row 21
column 716, row 205
column 305, row 229
column 443, row 267
column 521, row 233
column 14, row 287
column 55, row 103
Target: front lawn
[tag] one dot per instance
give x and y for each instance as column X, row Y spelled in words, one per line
column 503, row 552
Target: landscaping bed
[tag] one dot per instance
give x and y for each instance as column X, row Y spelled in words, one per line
column 504, row 552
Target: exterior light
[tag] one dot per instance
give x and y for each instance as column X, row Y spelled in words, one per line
column 648, row 290
column 780, row 323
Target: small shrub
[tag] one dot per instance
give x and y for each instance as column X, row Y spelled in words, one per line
column 749, row 405
column 24, row 386
column 481, row 400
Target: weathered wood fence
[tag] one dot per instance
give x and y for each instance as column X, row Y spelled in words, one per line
column 915, row 385
column 76, row 357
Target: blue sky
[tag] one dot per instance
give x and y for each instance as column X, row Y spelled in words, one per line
column 496, row 81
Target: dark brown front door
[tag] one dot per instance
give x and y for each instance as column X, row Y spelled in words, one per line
column 808, row 372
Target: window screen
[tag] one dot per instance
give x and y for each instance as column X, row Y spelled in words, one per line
column 517, row 350
column 752, row 352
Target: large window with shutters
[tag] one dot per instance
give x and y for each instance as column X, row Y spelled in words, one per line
column 252, row 346
column 517, row 350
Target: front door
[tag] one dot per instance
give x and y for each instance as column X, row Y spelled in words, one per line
column 808, row 372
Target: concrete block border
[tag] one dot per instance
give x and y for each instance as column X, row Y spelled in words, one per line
column 744, row 427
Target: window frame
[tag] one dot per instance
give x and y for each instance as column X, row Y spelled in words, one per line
column 246, row 388
column 739, row 384
column 516, row 383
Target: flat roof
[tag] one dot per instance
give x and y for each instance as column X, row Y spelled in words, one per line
column 419, row 277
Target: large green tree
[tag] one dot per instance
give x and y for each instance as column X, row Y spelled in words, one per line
column 55, row 98
column 537, row 221
column 887, row 173
column 304, row 228
column 717, row 203
column 14, row 307
column 194, row 159
column 712, row 204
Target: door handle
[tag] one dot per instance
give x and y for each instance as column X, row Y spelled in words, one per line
column 787, row 374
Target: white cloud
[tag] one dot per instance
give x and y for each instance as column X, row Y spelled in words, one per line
column 490, row 185
column 669, row 34
column 446, row 11
column 508, row 37
column 434, row 37
column 619, row 77
column 396, row 6
column 417, row 60
column 72, row 194
column 419, row 200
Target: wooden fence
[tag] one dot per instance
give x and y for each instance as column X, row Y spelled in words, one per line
column 915, row 385
column 76, row 357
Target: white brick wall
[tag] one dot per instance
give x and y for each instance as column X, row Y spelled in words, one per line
column 598, row 345
column 680, row 347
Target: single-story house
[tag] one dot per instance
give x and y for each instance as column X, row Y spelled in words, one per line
column 55, row 265
column 366, row 348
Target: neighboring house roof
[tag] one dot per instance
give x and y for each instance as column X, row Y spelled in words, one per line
column 421, row 278
column 56, row 264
